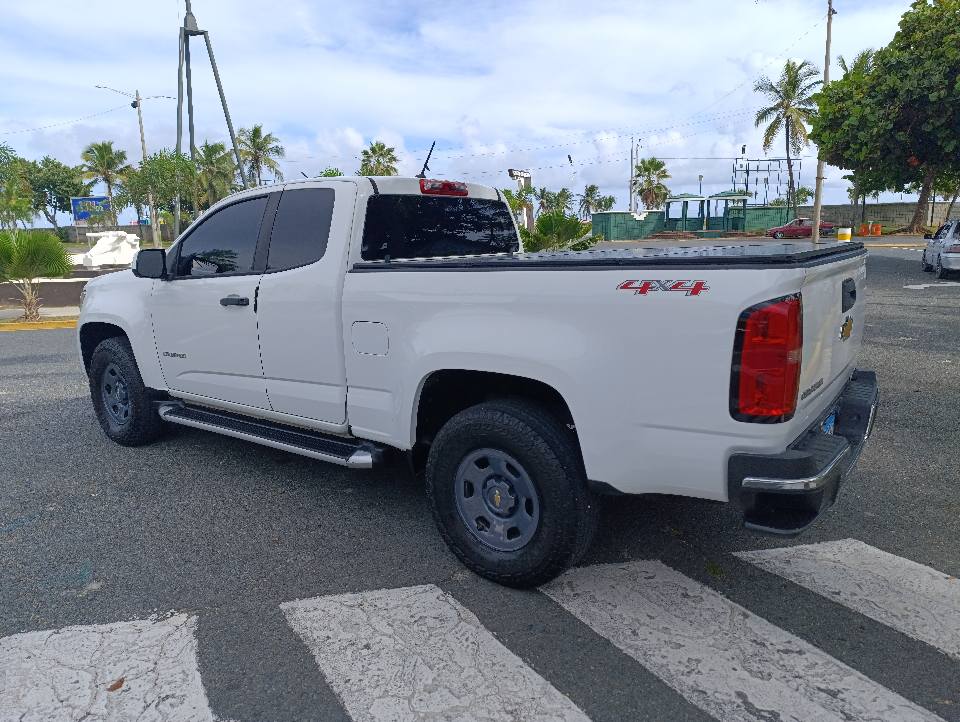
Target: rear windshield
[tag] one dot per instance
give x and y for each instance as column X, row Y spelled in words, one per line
column 402, row 226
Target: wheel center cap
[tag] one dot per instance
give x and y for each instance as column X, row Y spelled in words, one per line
column 498, row 493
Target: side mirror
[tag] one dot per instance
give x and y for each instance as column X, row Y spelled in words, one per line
column 150, row 263
column 928, row 236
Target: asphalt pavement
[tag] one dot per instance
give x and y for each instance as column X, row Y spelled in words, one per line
column 207, row 543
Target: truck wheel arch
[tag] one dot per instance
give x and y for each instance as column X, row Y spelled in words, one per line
column 444, row 393
column 92, row 334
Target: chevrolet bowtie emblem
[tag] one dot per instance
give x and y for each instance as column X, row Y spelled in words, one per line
column 846, row 329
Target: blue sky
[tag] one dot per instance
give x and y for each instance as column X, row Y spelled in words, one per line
column 498, row 85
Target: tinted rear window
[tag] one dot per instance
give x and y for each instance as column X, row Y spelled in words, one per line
column 301, row 228
column 427, row 226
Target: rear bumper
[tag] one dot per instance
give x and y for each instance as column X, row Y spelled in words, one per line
column 785, row 493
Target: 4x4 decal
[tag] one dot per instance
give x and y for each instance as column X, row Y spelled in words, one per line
column 642, row 288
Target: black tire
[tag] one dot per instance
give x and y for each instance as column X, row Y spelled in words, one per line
column 940, row 270
column 549, row 455
column 134, row 421
column 778, row 235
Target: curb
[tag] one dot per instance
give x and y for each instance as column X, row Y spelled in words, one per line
column 895, row 245
column 37, row 325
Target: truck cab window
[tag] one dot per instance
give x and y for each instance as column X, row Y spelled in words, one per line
column 224, row 242
column 301, row 228
column 408, row 226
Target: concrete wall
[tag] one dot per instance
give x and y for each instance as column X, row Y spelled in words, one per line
column 890, row 215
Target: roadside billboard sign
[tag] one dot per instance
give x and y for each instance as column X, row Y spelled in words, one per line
column 84, row 208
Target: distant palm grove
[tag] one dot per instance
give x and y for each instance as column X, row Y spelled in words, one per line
column 41, row 189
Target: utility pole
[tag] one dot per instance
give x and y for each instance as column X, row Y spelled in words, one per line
column 630, row 180
column 154, row 228
column 189, row 29
column 138, row 105
column 818, row 193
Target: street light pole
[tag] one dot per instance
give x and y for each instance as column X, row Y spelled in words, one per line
column 818, row 192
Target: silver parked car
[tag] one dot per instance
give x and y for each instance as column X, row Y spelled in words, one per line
column 942, row 253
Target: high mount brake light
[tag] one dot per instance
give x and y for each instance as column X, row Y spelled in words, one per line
column 767, row 352
column 442, row 187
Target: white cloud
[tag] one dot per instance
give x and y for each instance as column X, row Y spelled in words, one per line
column 497, row 85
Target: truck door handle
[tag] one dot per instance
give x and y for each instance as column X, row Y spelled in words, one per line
column 234, row 300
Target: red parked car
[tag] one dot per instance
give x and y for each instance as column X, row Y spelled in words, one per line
column 800, row 228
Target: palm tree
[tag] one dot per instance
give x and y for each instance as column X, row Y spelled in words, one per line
column 791, row 109
column 648, row 178
column 216, row 169
column 378, row 159
column 562, row 200
column 519, row 201
column 592, row 202
column 104, row 163
column 26, row 257
column 260, row 151
column 861, row 65
column 556, row 231
column 544, row 199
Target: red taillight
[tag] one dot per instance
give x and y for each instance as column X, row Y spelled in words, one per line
column 766, row 361
column 442, row 187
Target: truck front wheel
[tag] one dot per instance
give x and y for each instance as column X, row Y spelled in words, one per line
column 508, row 492
column 121, row 401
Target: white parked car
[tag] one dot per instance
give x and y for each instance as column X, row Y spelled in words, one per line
column 339, row 318
column 942, row 253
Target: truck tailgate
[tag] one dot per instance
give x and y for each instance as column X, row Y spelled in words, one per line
column 833, row 318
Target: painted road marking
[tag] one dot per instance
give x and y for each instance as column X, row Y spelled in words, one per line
column 916, row 600
column 922, row 286
column 418, row 654
column 144, row 670
column 721, row 657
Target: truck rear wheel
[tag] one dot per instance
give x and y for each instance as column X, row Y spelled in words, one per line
column 509, row 494
column 122, row 403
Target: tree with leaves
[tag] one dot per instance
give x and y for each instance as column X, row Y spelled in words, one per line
column 53, row 184
column 378, row 159
column 330, row 172
column 800, row 197
column 26, row 257
column 791, row 109
column 898, row 122
column 216, row 171
column 519, row 200
column 260, row 151
column 557, row 231
column 166, row 174
column 649, row 178
column 590, row 201
column 106, row 164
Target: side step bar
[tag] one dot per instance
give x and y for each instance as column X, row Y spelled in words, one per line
column 334, row 449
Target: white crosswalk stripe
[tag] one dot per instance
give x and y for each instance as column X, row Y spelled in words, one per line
column 909, row 597
column 721, row 657
column 418, row 654
column 144, row 670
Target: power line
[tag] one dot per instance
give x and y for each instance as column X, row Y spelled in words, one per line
column 65, row 122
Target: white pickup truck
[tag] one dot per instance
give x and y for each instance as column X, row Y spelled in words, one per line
column 339, row 318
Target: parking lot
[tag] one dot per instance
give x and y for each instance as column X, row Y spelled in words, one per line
column 203, row 577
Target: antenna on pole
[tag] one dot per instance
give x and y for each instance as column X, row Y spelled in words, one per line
column 423, row 171
column 188, row 30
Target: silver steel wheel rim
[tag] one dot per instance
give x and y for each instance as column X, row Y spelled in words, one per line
column 496, row 499
column 115, row 394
